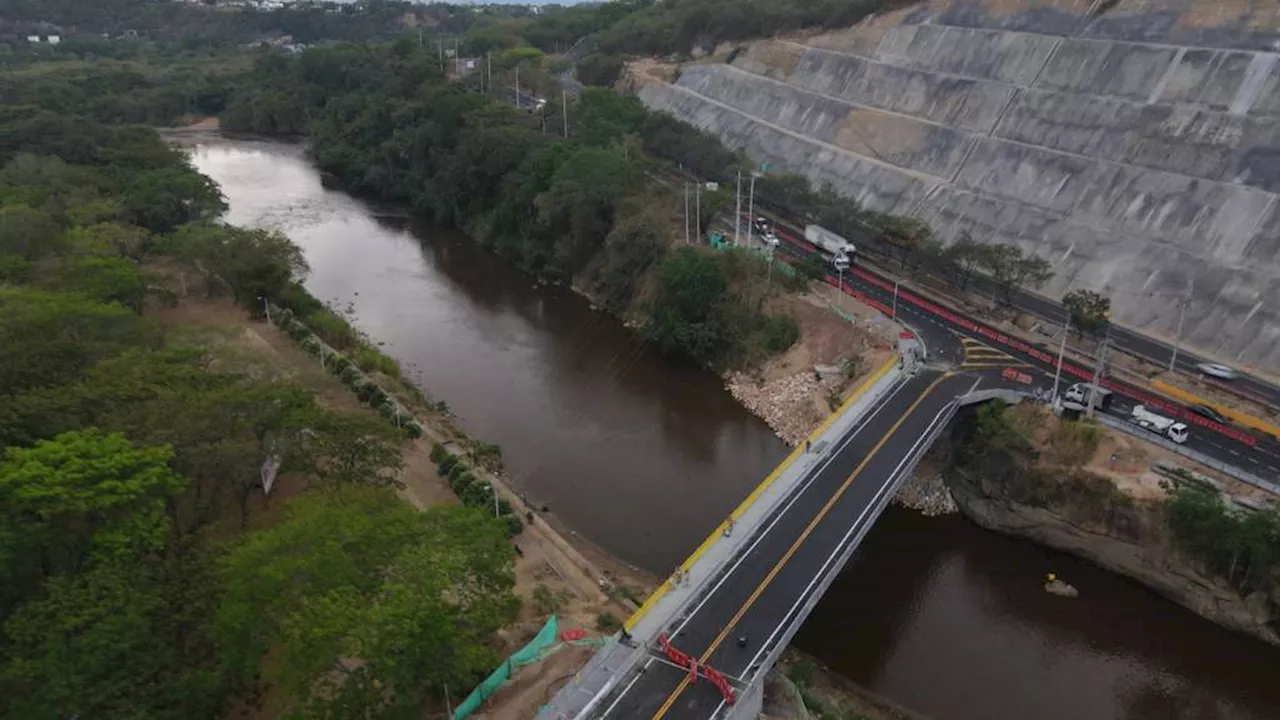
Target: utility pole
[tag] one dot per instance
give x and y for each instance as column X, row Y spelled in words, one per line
column 517, row 86
column 489, row 57
column 457, row 60
column 737, row 210
column 697, row 210
column 686, row 213
column 564, row 105
column 440, row 44
column 1097, row 370
column 1182, row 317
column 751, row 208
column 1062, row 349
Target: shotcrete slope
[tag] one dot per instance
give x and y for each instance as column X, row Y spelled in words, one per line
column 1138, row 150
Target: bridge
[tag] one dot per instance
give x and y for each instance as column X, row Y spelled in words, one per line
column 702, row 644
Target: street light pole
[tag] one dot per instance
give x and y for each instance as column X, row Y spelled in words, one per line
column 1062, row 349
column 1177, row 340
column 895, row 299
column 751, row 208
column 1097, row 370
column 737, row 210
column 686, row 213
column 840, row 286
column 697, row 210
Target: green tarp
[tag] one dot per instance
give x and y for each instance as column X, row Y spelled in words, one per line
column 530, row 653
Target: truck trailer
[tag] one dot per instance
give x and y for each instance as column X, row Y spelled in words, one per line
column 832, row 245
column 1159, row 424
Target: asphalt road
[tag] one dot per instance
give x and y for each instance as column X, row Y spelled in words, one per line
column 963, row 346
column 1124, row 339
column 764, row 591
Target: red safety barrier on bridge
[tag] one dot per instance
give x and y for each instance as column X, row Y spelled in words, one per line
column 686, row 661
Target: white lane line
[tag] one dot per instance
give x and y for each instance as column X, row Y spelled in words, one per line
column 854, row 527
column 795, row 496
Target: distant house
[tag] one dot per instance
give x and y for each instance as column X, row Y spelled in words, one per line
column 55, row 39
column 33, row 38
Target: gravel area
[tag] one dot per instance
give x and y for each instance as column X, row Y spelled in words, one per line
column 926, row 493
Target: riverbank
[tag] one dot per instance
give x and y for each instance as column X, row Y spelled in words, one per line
column 554, row 573
column 643, row 456
column 1123, row 505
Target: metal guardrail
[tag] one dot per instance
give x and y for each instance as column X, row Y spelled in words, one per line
column 1229, row 470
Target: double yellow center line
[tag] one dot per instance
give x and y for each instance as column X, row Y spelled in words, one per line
column 835, row 497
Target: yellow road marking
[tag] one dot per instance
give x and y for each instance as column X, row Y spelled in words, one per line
column 835, row 497
column 718, row 532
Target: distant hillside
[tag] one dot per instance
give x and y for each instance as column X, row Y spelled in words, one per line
column 1136, row 147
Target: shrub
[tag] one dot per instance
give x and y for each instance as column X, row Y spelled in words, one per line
column 778, row 332
column 514, row 526
column 437, row 453
column 413, row 429
column 446, row 463
column 801, row 672
column 545, row 601
column 608, row 622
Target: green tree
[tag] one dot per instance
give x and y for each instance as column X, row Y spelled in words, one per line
column 27, row 232
column 80, row 498
column 124, row 639
column 106, row 279
column 255, row 263
column 1011, row 269
column 637, row 241
column 355, row 449
column 1089, row 310
column 965, row 257
column 373, row 605
column 600, row 69
column 51, row 338
column 685, row 318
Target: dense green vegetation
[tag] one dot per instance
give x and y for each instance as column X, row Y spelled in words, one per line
column 140, row 575
column 385, row 121
column 140, row 26
column 1241, row 546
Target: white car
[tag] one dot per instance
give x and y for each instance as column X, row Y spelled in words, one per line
column 770, row 239
column 1222, row 372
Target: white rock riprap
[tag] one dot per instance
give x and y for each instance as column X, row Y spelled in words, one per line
column 790, row 405
column 927, row 493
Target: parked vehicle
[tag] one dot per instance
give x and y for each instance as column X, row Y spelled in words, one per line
column 832, row 245
column 1159, row 424
column 1218, row 370
column 1209, row 413
column 770, row 239
column 1079, row 393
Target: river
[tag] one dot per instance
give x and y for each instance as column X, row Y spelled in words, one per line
column 642, row 457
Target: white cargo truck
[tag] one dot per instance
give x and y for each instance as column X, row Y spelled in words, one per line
column 1159, row 424
column 831, row 244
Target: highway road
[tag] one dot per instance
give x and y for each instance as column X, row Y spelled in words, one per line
column 969, row 344
column 1124, row 339
column 764, row 592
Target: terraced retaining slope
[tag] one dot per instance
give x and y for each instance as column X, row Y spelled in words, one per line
column 1137, row 147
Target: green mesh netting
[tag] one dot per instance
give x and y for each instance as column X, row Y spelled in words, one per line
column 530, row 653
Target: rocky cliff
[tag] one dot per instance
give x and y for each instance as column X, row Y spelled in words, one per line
column 1133, row 144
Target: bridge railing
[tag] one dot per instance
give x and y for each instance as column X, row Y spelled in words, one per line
column 749, row 706
column 593, row 684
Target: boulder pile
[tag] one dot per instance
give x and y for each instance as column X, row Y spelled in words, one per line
column 927, row 494
column 790, row 405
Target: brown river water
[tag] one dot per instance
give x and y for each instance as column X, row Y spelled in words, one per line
column 642, row 457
